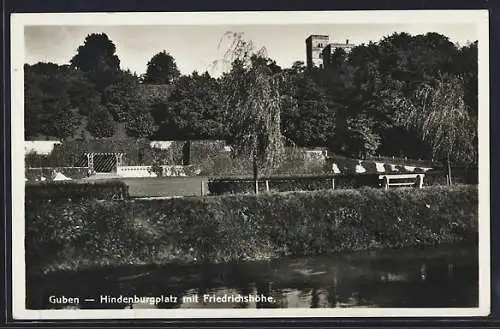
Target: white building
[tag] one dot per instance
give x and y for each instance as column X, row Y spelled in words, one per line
column 40, row 147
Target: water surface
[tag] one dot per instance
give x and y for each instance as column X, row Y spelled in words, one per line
column 444, row 276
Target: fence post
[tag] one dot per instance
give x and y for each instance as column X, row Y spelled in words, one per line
column 202, row 188
column 333, row 183
column 420, row 181
column 267, row 185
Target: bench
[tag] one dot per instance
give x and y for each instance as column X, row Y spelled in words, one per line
column 402, row 180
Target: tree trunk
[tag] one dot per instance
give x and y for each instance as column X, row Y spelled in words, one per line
column 256, row 175
column 449, row 169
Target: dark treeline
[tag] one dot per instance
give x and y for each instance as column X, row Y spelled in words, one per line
column 347, row 107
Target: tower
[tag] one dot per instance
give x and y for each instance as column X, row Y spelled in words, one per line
column 314, row 49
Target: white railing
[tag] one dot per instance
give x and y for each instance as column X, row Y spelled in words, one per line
column 147, row 171
column 135, row 171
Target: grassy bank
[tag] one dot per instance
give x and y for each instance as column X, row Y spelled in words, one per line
column 73, row 235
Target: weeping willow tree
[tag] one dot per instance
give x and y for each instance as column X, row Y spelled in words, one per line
column 438, row 112
column 252, row 100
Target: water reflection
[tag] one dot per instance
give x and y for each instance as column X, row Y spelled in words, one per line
column 434, row 277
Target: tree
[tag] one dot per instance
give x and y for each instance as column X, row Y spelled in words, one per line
column 48, row 109
column 33, row 107
column 394, row 67
column 127, row 102
column 97, row 59
column 298, row 67
column 441, row 116
column 65, row 122
column 192, row 110
column 140, row 125
column 100, row 123
column 43, row 68
column 337, row 58
column 83, row 93
column 252, row 102
column 466, row 63
column 161, row 69
column 124, row 98
column 362, row 141
column 308, row 120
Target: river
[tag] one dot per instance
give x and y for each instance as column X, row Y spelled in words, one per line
column 443, row 276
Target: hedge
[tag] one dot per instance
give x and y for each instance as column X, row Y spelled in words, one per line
column 460, row 176
column 35, row 174
column 218, row 186
column 231, row 185
column 76, row 190
column 244, row 227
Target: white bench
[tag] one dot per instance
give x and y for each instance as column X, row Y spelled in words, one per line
column 402, row 180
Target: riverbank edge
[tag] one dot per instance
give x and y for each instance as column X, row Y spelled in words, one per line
column 92, row 234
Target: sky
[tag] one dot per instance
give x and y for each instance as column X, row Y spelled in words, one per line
column 196, row 47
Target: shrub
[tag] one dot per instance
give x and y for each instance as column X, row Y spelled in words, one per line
column 200, row 150
column 219, row 186
column 72, row 235
column 459, row 176
column 223, row 164
column 64, row 190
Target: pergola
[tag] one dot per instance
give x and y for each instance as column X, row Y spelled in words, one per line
column 109, row 158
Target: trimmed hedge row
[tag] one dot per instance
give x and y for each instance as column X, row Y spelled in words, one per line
column 35, row 174
column 64, row 190
column 218, row 186
column 228, row 228
column 462, row 176
column 232, row 186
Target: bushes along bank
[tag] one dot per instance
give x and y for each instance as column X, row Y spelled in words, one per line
column 234, row 227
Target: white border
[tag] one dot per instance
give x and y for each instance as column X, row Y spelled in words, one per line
column 19, row 21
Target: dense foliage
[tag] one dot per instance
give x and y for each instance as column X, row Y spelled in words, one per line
column 73, row 191
column 161, row 69
column 350, row 107
column 92, row 233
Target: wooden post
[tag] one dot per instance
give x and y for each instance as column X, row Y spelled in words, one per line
column 333, row 183
column 423, row 272
column 117, row 161
column 256, row 175
column 386, row 183
column 202, row 188
column 267, row 185
column 420, row 181
column 449, row 169
column 90, row 162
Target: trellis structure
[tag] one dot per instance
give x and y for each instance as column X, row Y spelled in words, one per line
column 103, row 161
